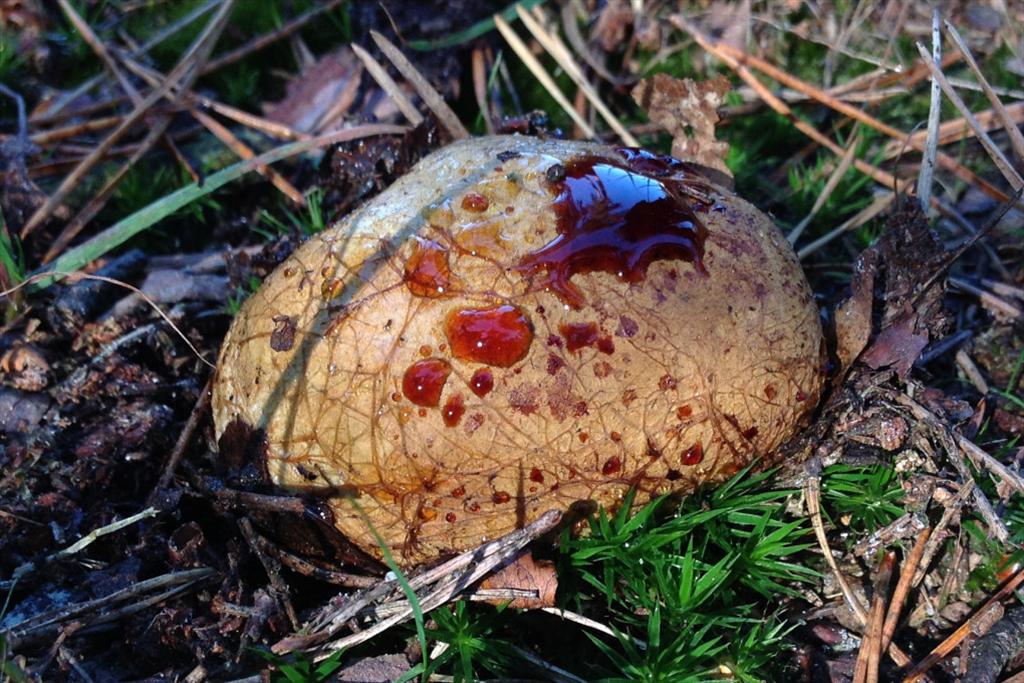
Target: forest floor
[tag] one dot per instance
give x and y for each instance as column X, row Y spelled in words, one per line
column 158, row 159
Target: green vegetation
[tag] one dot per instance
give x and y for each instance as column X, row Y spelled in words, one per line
column 868, row 496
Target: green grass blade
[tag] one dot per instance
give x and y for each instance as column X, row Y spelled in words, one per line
column 475, row 31
column 147, row 217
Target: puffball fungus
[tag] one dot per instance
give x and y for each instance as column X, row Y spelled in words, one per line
column 517, row 325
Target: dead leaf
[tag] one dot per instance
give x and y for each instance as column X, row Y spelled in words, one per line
column 525, row 573
column 688, row 111
column 897, row 345
column 612, row 25
column 853, row 317
column 322, row 88
column 729, row 22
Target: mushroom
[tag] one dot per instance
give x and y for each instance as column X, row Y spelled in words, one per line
column 517, row 325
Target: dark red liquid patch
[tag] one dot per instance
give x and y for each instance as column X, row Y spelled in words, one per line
column 693, row 455
column 536, row 476
column 423, row 381
column 579, row 335
column 611, row 466
column 482, row 382
column 618, row 217
column 427, row 273
column 454, row 409
column 499, row 335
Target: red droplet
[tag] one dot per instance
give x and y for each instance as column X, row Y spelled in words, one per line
column 683, row 412
column 769, row 392
column 693, row 455
column 450, row 517
column 537, row 476
column 583, row 436
column 618, row 217
column 606, row 345
column 474, row 507
column 615, row 436
column 481, row 382
column 611, row 466
column 477, row 203
column 423, row 381
column 667, row 382
column 422, row 412
column 453, row 410
column 499, row 335
column 801, row 396
column 459, row 492
column 427, row 273
column 500, row 497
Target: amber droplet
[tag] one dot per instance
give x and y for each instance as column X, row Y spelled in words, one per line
column 450, row 518
column 453, row 410
column 500, row 497
column 499, row 335
column 427, row 273
column 331, row 288
column 425, row 350
column 482, row 382
column 537, row 476
column 423, row 381
column 611, row 466
column 617, row 217
column 477, row 203
column 428, row 514
column 693, row 455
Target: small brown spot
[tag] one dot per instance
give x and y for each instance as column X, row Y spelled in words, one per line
column 667, row 383
column 683, row 412
column 555, row 363
column 422, row 412
column 674, row 475
column 606, row 345
column 583, row 437
column 283, row 336
column 501, row 497
column 580, row 409
column 652, row 449
column 615, row 436
column 474, row 507
column 769, row 392
column 611, row 466
column 628, row 396
column 602, row 369
column 749, row 433
column 801, row 396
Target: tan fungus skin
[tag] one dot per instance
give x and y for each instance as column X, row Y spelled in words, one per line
column 730, row 360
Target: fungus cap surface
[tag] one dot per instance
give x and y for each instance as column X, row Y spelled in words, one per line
column 516, row 325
